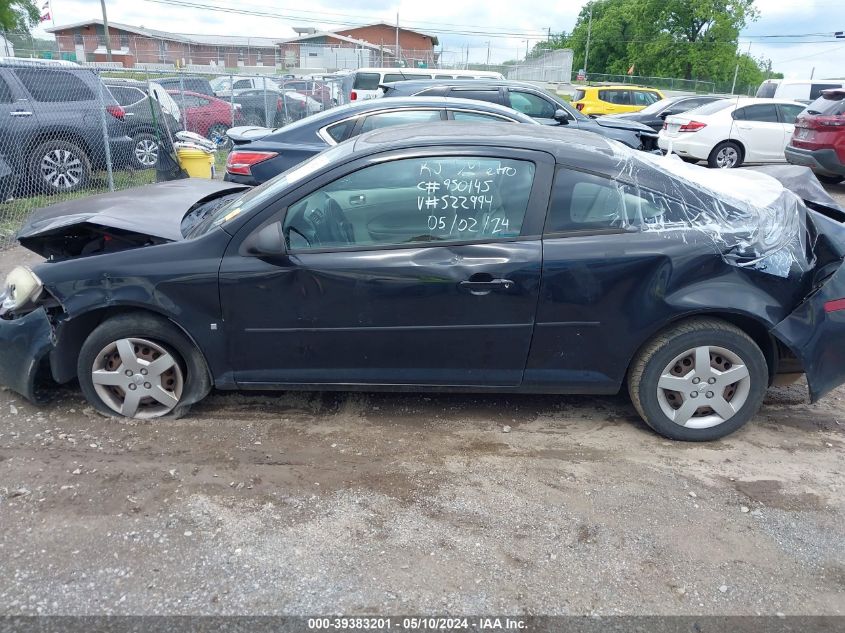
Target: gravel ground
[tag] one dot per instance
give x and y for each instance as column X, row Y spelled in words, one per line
column 304, row 503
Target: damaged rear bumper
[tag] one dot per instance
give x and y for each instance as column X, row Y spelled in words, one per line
column 24, row 342
column 817, row 337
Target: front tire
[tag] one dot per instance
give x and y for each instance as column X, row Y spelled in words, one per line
column 144, row 151
column 726, row 155
column 699, row 380
column 139, row 366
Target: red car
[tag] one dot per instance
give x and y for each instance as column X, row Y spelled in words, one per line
column 207, row 116
column 818, row 141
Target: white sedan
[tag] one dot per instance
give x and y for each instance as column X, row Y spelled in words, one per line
column 731, row 132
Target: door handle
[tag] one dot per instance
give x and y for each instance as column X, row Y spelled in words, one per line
column 744, row 127
column 20, row 113
column 357, row 200
column 480, row 288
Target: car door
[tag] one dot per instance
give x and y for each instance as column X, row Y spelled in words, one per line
column 761, row 133
column 615, row 101
column 788, row 112
column 398, row 269
column 533, row 105
column 18, row 124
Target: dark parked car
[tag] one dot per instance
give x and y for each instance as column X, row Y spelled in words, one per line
column 261, row 154
column 187, row 82
column 51, row 126
column 529, row 100
column 270, row 107
column 147, row 123
column 654, row 115
column 818, row 140
column 471, row 256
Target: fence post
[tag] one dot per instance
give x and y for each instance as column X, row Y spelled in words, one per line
column 232, row 98
column 184, row 108
column 266, row 105
column 105, row 124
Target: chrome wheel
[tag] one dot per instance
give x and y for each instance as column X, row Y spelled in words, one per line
column 727, row 157
column 146, row 152
column 137, row 378
column 703, row 387
column 61, row 169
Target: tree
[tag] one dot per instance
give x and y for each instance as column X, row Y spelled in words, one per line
column 693, row 39
column 18, row 15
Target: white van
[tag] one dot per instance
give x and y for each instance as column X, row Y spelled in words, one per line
column 363, row 83
column 804, row 90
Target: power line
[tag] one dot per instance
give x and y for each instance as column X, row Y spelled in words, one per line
column 268, row 14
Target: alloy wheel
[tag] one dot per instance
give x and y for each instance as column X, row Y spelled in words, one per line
column 61, row 169
column 703, row 387
column 146, row 152
column 727, row 157
column 137, row 378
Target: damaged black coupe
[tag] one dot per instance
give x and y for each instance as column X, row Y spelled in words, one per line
column 450, row 256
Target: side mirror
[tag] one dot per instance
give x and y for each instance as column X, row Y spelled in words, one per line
column 267, row 241
column 562, row 116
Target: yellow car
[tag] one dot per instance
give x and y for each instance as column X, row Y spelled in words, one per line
column 598, row 100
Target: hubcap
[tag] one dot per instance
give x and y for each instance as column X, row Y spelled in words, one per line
column 703, row 387
column 137, row 378
column 146, row 151
column 727, row 157
column 61, row 169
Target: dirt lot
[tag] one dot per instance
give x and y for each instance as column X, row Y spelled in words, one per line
column 306, row 503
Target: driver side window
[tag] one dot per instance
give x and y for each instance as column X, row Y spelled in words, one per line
column 433, row 199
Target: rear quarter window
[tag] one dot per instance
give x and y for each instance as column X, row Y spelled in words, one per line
column 579, row 94
column 54, row 86
column 367, row 81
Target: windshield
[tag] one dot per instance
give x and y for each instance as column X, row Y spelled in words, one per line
column 657, row 106
column 767, row 89
column 254, row 198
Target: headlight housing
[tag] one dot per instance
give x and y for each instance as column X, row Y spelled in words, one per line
column 23, row 288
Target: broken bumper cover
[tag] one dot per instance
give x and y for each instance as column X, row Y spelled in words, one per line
column 24, row 342
column 817, row 337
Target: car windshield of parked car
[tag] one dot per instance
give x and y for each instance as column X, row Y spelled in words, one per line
column 256, row 197
column 657, row 107
column 831, row 104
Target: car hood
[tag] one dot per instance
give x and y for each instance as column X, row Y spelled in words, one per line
column 622, row 124
column 152, row 211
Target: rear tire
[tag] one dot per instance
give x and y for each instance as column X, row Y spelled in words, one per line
column 699, row 380
column 59, row 167
column 830, row 180
column 217, row 134
column 145, row 151
column 726, row 155
column 140, row 366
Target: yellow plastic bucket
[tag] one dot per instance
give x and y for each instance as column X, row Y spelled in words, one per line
column 197, row 163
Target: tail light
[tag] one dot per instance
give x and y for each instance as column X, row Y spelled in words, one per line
column 692, row 126
column 353, row 96
column 835, row 305
column 240, row 162
column 665, row 125
column 579, row 106
column 116, row 111
column 827, row 121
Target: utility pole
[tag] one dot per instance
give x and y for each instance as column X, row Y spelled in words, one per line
column 106, row 30
column 488, row 52
column 549, row 38
column 736, row 70
column 397, row 39
column 526, row 50
column 813, row 72
column 589, row 33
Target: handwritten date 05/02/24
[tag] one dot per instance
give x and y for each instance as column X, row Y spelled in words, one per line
column 490, row 226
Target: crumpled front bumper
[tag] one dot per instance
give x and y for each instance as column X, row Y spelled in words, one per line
column 24, row 342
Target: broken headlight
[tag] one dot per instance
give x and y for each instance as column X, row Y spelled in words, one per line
column 23, row 288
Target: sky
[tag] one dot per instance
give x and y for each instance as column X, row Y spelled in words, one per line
column 468, row 29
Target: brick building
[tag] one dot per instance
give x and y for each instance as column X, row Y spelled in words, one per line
column 131, row 45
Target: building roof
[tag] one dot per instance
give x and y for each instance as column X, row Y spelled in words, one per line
column 433, row 38
column 335, row 36
column 197, row 39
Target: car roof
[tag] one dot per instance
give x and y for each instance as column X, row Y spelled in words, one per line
column 565, row 144
column 432, row 83
column 745, row 101
column 124, row 82
column 433, row 102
